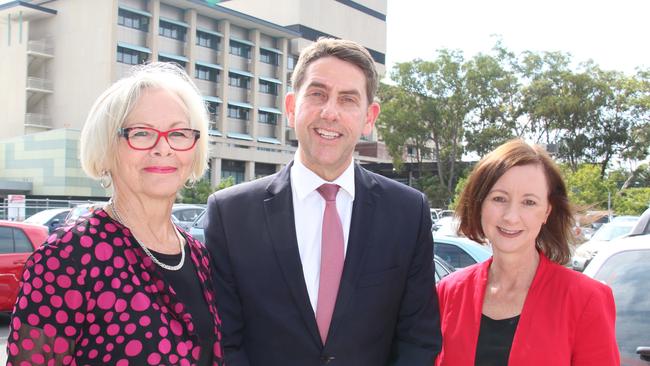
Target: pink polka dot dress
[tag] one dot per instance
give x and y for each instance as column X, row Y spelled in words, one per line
column 91, row 296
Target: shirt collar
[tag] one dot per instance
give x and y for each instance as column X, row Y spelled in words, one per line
column 306, row 181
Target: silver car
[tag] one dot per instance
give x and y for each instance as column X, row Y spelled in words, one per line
column 196, row 229
column 625, row 267
column 186, row 214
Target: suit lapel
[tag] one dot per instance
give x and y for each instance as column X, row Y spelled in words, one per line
column 360, row 236
column 281, row 225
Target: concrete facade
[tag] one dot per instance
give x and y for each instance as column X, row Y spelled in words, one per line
column 59, row 56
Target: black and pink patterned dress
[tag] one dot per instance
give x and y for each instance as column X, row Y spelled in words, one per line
column 90, row 296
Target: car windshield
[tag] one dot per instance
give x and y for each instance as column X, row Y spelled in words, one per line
column 628, row 276
column 611, row 231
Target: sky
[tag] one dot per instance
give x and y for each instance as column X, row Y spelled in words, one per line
column 613, row 33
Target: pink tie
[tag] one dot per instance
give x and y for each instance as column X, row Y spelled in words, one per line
column 331, row 260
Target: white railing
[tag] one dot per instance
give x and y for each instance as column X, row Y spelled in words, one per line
column 38, row 119
column 41, row 46
column 39, row 83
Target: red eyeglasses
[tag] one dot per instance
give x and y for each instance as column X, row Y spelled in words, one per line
column 145, row 138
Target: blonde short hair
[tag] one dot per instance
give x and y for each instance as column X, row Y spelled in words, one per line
column 99, row 137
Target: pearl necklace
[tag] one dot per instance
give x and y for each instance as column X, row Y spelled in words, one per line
column 119, row 218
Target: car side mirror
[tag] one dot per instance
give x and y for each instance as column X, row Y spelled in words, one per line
column 644, row 353
column 55, row 223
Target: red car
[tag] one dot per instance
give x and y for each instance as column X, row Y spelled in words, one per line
column 17, row 242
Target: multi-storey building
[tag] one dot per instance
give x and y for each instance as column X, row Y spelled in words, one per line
column 57, row 56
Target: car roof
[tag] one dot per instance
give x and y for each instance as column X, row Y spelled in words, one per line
column 50, row 212
column 477, row 250
column 640, row 242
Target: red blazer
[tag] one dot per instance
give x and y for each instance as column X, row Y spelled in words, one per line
column 567, row 319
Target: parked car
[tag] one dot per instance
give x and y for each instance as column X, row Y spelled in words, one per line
column 52, row 218
column 460, row 252
column 446, row 213
column 435, row 214
column 17, row 241
column 446, row 226
column 196, row 230
column 642, row 226
column 185, row 214
column 602, row 237
column 442, row 268
column 82, row 210
column 625, row 267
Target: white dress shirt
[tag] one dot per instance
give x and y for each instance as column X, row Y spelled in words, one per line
column 308, row 210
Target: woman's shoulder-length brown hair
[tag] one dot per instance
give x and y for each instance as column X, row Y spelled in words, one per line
column 555, row 236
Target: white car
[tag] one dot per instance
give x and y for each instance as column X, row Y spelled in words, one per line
column 52, row 218
column 625, row 267
column 446, row 226
column 604, row 236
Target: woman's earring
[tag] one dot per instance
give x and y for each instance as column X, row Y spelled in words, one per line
column 105, row 180
column 189, row 184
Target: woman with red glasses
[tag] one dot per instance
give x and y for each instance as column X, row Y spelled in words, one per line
column 124, row 285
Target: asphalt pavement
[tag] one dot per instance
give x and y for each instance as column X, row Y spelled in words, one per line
column 4, row 330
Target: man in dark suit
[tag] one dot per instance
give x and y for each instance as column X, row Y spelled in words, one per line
column 325, row 262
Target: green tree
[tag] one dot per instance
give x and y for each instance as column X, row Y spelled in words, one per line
column 429, row 113
column 632, row 201
column 587, row 190
column 401, row 125
column 201, row 190
column 496, row 89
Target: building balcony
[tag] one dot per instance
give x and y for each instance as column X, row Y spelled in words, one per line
column 38, row 120
column 35, row 84
column 40, row 48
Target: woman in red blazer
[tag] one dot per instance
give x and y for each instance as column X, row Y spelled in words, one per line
column 523, row 307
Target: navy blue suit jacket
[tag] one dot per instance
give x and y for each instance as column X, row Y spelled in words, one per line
column 386, row 311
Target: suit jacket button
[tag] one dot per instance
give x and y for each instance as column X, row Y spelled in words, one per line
column 327, row 359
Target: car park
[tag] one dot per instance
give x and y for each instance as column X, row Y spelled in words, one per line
column 446, row 226
column 83, row 210
column 52, row 218
column 435, row 214
column 442, row 268
column 460, row 252
column 642, row 226
column 604, row 236
column 186, row 214
column 17, row 242
column 196, row 229
column 625, row 267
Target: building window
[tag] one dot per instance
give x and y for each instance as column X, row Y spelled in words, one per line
column 240, row 49
column 268, row 57
column 291, row 62
column 268, row 118
column 233, row 168
column 132, row 20
column 179, row 63
column 268, row 88
column 239, row 81
column 238, row 112
column 410, row 151
column 206, row 73
column 208, row 40
column 131, row 57
column 262, row 170
column 171, row 30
